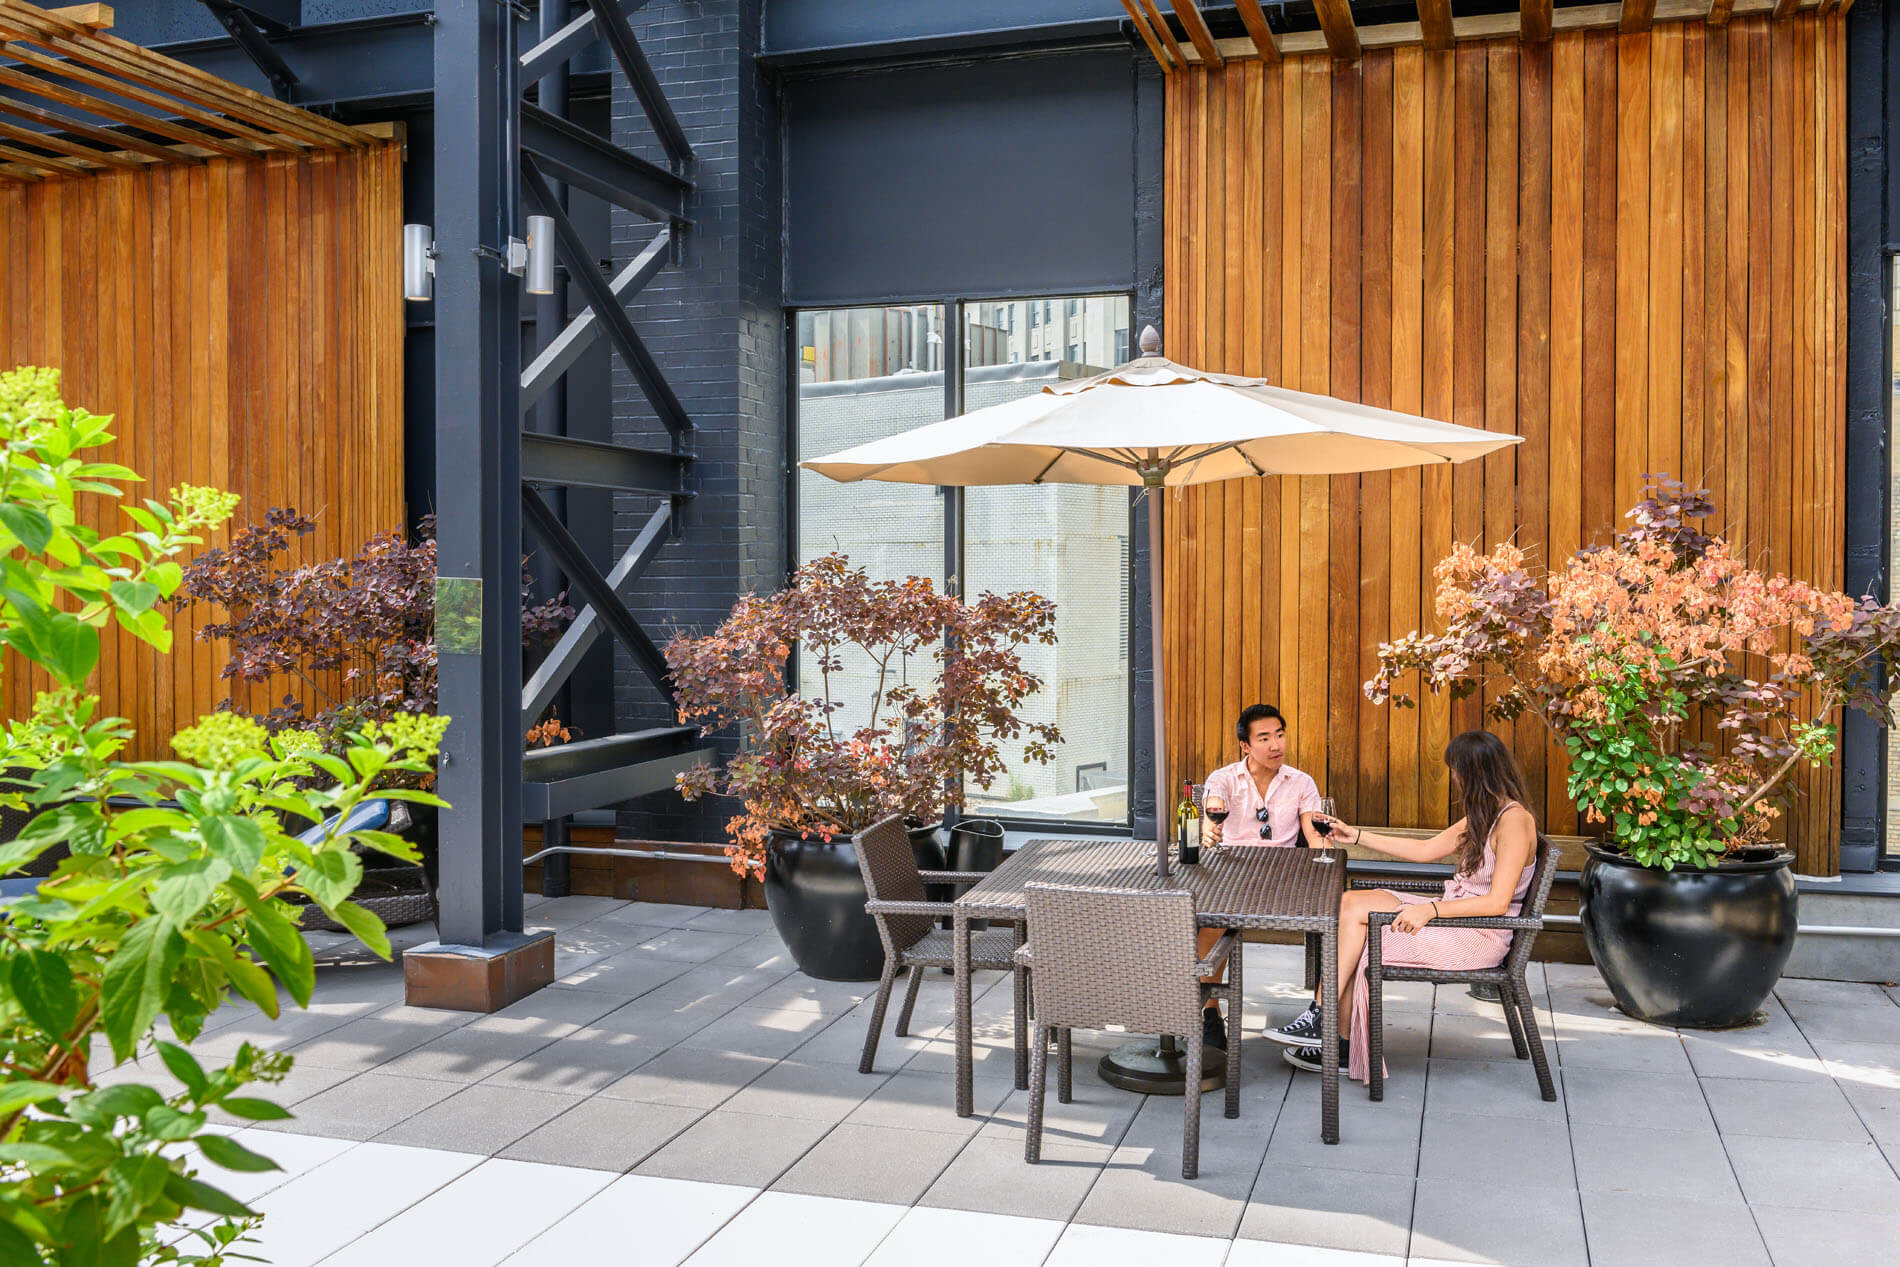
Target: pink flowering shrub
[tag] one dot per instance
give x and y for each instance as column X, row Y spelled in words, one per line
column 949, row 684
column 1619, row 649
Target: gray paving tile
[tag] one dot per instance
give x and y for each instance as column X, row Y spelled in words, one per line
column 287, row 1030
column 759, row 1031
column 364, row 1106
column 375, row 1040
column 762, row 951
column 842, row 1042
column 1813, row 1174
column 667, row 914
column 804, row 994
column 1633, row 1159
column 872, row 1163
column 1309, row 1205
column 689, row 1077
column 481, row 1119
column 659, row 1023
column 580, row 1063
column 603, row 1134
column 993, row 1059
column 1380, row 1138
column 688, row 945
column 1776, row 1051
column 735, row 1148
column 1499, row 1088
column 628, row 973
column 750, row 922
column 1879, row 1023
column 1636, row 1230
column 565, row 912
column 491, row 1043
column 1539, row 1151
column 1860, row 1062
column 1649, row 1051
column 1611, row 1097
column 928, row 1102
column 990, row 1175
column 1142, row 1186
column 1879, row 1110
column 1536, row 1225
column 1828, row 1238
column 1799, row 994
column 1465, row 1037
column 825, row 1093
column 1098, row 1115
column 724, row 984
column 1793, row 1110
column 302, row 1083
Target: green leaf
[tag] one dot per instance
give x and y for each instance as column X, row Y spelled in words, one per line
column 15, row 1096
column 364, row 924
column 253, row 1109
column 16, row 1246
column 168, row 1124
column 186, row 887
column 184, row 1067
column 238, row 841
column 232, row 1155
column 133, row 1183
column 43, row 984
column 136, row 980
column 167, row 576
column 331, row 876
column 278, row 943
column 107, row 1104
column 133, row 597
column 251, row 981
column 196, row 1195
column 31, row 526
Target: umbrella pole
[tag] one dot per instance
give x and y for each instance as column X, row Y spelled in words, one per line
column 1162, row 822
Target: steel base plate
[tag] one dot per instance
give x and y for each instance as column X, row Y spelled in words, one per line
column 1151, row 1067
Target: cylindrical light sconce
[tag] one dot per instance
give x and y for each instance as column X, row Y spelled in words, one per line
column 418, row 262
column 540, row 255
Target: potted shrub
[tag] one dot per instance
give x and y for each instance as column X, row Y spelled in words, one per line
column 947, row 684
column 359, row 632
column 1685, row 686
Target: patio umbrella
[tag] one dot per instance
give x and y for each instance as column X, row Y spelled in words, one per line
column 1158, row 424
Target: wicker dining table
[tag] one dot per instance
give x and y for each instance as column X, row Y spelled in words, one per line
column 1289, row 890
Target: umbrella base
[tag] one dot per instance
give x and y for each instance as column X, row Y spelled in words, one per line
column 1151, row 1066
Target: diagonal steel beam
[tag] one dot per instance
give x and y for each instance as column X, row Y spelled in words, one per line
column 571, row 153
column 239, row 20
column 557, row 48
column 600, row 297
column 594, row 587
column 540, row 690
column 579, row 334
column 633, row 63
column 573, row 463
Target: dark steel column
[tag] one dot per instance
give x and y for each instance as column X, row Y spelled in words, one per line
column 478, row 469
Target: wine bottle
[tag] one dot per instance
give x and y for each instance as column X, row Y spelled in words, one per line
column 1188, row 826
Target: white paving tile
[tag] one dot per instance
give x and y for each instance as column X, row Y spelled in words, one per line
column 478, row 1219
column 1086, row 1245
column 345, row 1197
column 296, row 1155
column 789, row 1230
column 928, row 1237
column 1273, row 1254
column 666, row 1218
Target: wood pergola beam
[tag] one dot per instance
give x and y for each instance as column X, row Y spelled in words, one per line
column 1719, row 12
column 1635, row 15
column 1342, row 35
column 99, row 136
column 1196, row 27
column 60, row 145
column 1534, row 21
column 1148, row 36
column 1434, row 21
column 119, row 114
column 1165, row 33
column 1258, row 31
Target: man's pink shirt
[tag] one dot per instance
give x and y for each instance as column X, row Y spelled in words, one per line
column 1291, row 793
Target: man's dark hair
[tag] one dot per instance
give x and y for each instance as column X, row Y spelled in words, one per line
column 1253, row 713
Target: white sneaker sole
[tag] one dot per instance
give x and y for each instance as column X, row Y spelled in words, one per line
column 1291, row 1059
column 1288, row 1040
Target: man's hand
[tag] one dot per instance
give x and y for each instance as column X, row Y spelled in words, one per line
column 1210, row 835
column 1413, row 917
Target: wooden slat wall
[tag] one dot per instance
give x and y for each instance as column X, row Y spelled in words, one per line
column 242, row 319
column 1626, row 248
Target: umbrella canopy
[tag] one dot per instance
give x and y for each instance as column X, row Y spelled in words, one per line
column 1157, row 423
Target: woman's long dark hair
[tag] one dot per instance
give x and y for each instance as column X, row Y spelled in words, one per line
column 1488, row 779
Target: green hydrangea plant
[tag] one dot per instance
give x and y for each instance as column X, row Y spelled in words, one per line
column 173, row 896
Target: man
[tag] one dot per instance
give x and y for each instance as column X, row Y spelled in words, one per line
column 1269, row 805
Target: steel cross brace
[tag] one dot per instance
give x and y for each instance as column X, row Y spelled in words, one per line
column 633, row 63
column 601, row 298
column 598, row 591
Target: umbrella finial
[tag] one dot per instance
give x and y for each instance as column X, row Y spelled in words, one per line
column 1150, row 342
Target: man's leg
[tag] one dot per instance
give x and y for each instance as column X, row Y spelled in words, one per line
column 1213, row 1031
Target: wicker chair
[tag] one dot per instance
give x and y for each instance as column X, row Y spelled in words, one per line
column 1507, row 976
column 1102, row 957
column 906, row 924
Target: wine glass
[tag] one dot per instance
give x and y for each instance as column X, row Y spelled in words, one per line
column 1216, row 807
column 1322, row 823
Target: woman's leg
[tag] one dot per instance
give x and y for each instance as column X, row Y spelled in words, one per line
column 1354, row 906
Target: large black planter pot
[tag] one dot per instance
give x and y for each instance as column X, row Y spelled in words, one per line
column 1698, row 949
column 815, row 895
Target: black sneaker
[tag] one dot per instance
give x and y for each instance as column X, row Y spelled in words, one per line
column 1213, row 1029
column 1302, row 1031
column 1310, row 1058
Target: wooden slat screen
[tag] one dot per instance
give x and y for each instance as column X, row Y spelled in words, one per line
column 242, row 319
column 1630, row 249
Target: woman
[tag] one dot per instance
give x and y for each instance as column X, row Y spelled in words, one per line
column 1494, row 844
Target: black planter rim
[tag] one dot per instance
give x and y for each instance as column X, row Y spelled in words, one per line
column 1728, row 866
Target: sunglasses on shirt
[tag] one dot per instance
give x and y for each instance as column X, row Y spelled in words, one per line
column 1261, row 815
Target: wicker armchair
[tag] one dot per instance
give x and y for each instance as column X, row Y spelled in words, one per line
column 1507, row 976
column 1125, row 957
column 907, row 925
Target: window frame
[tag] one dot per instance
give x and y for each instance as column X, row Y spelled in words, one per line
column 952, row 314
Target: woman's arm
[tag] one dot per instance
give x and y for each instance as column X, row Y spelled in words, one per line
column 1404, row 848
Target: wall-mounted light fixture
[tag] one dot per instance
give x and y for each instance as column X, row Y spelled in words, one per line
column 418, row 262
column 540, row 255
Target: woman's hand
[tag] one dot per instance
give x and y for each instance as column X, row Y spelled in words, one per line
column 1342, row 834
column 1412, row 917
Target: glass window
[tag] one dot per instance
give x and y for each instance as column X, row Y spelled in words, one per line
column 1069, row 543
column 866, row 373
column 1893, row 554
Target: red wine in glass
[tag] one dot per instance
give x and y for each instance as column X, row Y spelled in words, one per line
column 1322, row 824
